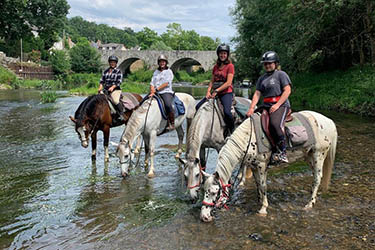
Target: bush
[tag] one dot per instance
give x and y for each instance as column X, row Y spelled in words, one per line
column 60, row 62
column 143, row 75
column 6, row 76
column 83, row 79
column 84, row 58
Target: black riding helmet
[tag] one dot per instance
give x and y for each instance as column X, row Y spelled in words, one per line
column 113, row 58
column 223, row 47
column 270, row 57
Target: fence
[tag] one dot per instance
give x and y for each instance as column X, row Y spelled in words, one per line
column 32, row 72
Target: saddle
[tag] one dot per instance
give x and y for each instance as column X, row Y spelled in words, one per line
column 179, row 107
column 298, row 131
column 128, row 101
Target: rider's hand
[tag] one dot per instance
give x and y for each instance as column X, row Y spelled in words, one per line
column 151, row 94
column 250, row 112
column 208, row 95
column 112, row 88
column 214, row 94
column 274, row 108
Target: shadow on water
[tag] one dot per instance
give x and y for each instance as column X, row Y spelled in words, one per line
column 52, row 196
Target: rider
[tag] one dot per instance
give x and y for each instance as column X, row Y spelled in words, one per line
column 221, row 83
column 275, row 87
column 111, row 81
column 161, row 83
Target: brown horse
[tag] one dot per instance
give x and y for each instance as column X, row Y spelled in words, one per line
column 94, row 114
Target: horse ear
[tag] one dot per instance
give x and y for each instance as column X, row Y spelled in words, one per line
column 216, row 175
column 73, row 120
column 182, row 161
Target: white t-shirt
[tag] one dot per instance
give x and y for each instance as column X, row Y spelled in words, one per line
column 160, row 77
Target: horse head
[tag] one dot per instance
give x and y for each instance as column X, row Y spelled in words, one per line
column 125, row 155
column 216, row 195
column 193, row 176
column 83, row 129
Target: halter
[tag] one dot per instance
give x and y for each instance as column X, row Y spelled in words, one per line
column 224, row 193
column 200, row 178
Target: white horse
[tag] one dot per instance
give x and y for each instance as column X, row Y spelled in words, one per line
column 148, row 121
column 205, row 132
column 320, row 156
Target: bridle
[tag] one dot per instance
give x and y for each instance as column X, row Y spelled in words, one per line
column 223, row 194
column 200, row 178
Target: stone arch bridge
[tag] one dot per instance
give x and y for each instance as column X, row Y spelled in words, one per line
column 177, row 59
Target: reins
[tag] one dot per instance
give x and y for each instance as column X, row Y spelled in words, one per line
column 212, row 126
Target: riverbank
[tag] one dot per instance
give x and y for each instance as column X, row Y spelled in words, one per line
column 348, row 91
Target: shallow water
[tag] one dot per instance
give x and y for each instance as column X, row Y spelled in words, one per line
column 52, row 196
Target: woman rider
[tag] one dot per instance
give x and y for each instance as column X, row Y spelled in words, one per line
column 161, row 83
column 275, row 87
column 111, row 82
column 221, row 83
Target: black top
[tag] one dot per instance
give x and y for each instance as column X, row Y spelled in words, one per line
column 272, row 85
column 110, row 79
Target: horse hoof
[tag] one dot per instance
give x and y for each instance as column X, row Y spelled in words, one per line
column 262, row 214
column 177, row 156
column 150, row 175
column 307, row 208
column 106, row 159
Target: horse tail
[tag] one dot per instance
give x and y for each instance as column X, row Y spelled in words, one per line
column 328, row 162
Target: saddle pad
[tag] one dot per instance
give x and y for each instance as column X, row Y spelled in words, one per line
column 129, row 101
column 178, row 105
column 298, row 120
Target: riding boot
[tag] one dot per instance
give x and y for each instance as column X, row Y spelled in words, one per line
column 121, row 111
column 171, row 121
column 229, row 122
column 282, row 147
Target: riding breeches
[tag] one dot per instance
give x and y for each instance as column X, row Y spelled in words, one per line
column 226, row 100
column 277, row 121
column 116, row 96
column 168, row 101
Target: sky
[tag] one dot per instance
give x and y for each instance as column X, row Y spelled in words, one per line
column 208, row 18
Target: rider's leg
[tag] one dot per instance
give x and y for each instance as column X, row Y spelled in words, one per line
column 226, row 100
column 277, row 122
column 116, row 94
column 168, row 101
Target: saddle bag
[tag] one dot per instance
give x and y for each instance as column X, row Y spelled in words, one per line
column 297, row 135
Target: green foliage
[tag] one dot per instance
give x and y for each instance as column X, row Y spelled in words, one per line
column 308, row 35
column 351, row 90
column 38, row 84
column 6, row 76
column 60, row 62
column 195, row 77
column 34, row 56
column 159, row 45
column 84, row 58
column 147, row 37
column 143, row 75
column 83, row 79
column 48, row 96
column 19, row 17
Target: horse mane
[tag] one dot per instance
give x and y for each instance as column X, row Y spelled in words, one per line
column 134, row 122
column 194, row 129
column 234, row 149
column 87, row 107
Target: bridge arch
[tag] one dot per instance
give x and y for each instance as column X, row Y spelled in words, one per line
column 185, row 64
column 124, row 65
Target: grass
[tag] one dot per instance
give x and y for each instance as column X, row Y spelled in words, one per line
column 294, row 168
column 48, row 96
column 351, row 90
column 6, row 76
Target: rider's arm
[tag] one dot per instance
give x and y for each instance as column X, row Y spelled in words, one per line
column 254, row 102
column 284, row 96
column 208, row 94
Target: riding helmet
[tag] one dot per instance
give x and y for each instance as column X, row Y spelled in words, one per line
column 270, row 57
column 163, row 57
column 113, row 58
column 223, row 47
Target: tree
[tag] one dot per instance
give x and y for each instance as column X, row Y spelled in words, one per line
column 84, row 58
column 147, row 37
column 60, row 62
column 19, row 18
column 159, row 45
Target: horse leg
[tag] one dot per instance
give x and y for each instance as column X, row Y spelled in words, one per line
column 202, row 158
column 315, row 161
column 93, row 145
column 180, row 133
column 152, row 150
column 147, row 149
column 106, row 141
column 260, row 175
column 138, row 145
column 188, row 124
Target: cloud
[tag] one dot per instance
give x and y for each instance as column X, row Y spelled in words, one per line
column 209, row 18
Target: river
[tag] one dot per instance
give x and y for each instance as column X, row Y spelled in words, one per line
column 52, row 196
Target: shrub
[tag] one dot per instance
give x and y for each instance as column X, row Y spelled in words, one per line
column 6, row 76
column 60, row 62
column 84, row 58
column 48, row 96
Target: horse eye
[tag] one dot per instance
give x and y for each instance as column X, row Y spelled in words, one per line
column 197, row 175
